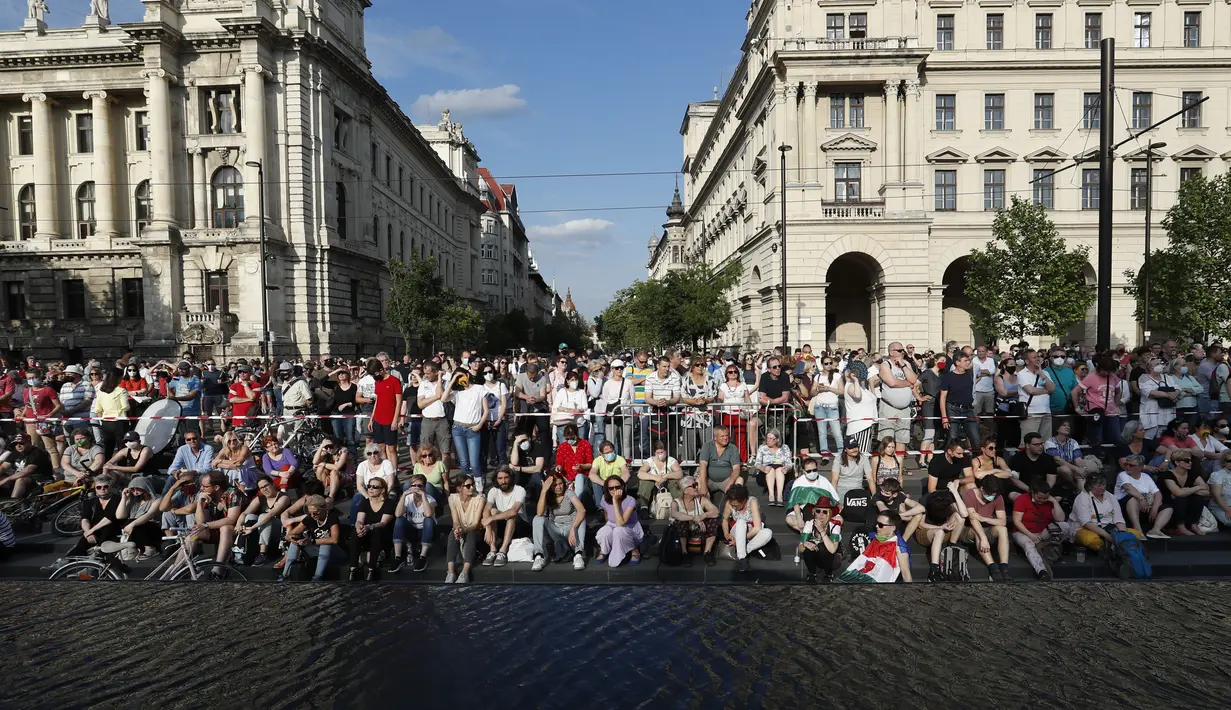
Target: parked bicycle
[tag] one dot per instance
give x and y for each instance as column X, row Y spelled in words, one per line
column 49, row 500
column 104, row 563
column 303, row 436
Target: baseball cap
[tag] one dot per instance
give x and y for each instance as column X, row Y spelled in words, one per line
column 132, row 436
column 617, row 363
column 850, row 443
column 285, row 367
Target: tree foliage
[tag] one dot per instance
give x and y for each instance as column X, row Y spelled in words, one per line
column 1025, row 281
column 1189, row 288
column 684, row 307
column 422, row 309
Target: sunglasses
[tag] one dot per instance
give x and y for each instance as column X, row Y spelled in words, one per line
column 879, row 524
column 375, row 488
column 775, row 367
column 467, row 485
column 191, row 439
column 102, row 488
column 615, row 488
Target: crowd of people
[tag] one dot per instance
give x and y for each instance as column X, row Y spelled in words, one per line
column 520, row 457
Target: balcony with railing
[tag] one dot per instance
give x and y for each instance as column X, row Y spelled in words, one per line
column 852, row 210
column 848, row 44
column 210, row 328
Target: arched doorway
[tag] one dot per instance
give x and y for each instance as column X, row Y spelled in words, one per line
column 849, row 321
column 1085, row 331
column 956, row 322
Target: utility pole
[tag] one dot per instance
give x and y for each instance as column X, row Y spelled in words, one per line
column 1107, row 48
column 786, row 328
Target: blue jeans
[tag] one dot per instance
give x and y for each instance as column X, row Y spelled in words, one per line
column 963, row 418
column 1106, row 430
column 823, row 428
column 468, row 442
column 404, row 532
column 495, row 445
column 599, row 432
column 344, row 430
column 583, row 432
column 322, row 553
column 414, row 429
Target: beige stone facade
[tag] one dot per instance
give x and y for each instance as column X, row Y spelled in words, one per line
column 133, row 202
column 910, row 123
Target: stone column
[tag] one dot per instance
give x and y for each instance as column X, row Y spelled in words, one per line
column 783, row 126
column 162, row 180
column 104, row 166
column 254, row 136
column 893, row 133
column 810, row 173
column 200, row 189
column 46, row 204
column 912, row 155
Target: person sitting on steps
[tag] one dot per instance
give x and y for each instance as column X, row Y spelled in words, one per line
column 987, row 523
column 743, row 528
column 560, row 515
column 694, row 516
column 944, row 519
column 820, row 541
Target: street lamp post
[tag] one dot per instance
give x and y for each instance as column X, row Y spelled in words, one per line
column 1145, row 269
column 786, row 328
column 260, row 174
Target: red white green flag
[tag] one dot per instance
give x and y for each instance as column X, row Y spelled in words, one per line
column 877, row 564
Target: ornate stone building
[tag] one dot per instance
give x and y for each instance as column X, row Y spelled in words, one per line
column 134, row 156
column 504, row 250
column 910, row 123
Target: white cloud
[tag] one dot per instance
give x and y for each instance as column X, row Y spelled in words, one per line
column 574, row 228
column 466, row 104
column 398, row 54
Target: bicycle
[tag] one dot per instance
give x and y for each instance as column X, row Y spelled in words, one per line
column 40, row 504
column 104, row 563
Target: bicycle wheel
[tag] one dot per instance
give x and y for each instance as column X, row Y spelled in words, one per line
column 86, row 571
column 210, row 571
column 68, row 521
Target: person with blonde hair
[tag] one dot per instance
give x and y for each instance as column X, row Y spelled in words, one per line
column 317, row 535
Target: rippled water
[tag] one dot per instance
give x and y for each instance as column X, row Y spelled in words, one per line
column 332, row 645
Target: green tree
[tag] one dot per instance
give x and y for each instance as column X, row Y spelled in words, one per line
column 506, row 331
column 1189, row 289
column 1025, row 281
column 417, row 297
column 458, row 326
column 684, row 307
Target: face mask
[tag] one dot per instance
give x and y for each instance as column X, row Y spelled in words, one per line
column 34, row 382
column 489, row 376
column 1224, row 431
column 571, row 441
column 572, row 384
column 1010, row 368
column 1183, row 370
column 525, row 446
column 465, row 361
column 989, row 497
column 661, row 457
column 1020, row 363
column 82, row 444
column 884, row 537
column 1057, row 362
column 134, row 445
column 1069, row 361
column 812, row 475
column 1160, row 369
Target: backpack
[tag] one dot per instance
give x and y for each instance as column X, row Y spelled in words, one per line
column 669, row 550
column 1133, row 556
column 661, row 510
column 953, row 560
column 1216, row 385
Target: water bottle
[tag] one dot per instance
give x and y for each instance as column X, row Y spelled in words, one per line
column 1081, row 555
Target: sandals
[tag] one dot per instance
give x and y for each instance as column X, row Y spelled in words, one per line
column 635, row 558
column 600, row 558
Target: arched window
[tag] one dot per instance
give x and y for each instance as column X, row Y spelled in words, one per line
column 144, row 206
column 389, row 241
column 401, row 246
column 375, row 229
column 27, row 220
column 341, row 196
column 85, row 210
column 228, row 187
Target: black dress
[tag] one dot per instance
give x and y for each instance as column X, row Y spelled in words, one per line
column 376, row 539
column 93, row 512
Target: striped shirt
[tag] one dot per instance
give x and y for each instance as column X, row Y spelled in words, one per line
column 6, row 532
column 637, row 373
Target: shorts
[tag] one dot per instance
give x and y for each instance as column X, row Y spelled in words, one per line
column 213, row 405
column 384, row 434
column 436, row 432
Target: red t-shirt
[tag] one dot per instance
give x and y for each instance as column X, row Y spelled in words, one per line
column 569, row 458
column 239, row 410
column 1035, row 517
column 387, row 390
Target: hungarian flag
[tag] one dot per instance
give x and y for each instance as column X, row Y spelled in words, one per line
column 878, row 563
column 805, row 493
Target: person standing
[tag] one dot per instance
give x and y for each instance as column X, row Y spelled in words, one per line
column 1034, row 392
column 898, row 377
column 435, row 428
column 386, row 412
column 957, row 400
column 983, row 367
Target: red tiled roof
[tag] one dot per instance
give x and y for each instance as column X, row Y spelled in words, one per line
column 495, row 189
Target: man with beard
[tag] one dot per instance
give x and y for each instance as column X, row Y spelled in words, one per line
column 503, row 522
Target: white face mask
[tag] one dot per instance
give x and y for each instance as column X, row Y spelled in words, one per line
column 134, row 445
column 572, row 384
column 1020, row 363
column 1224, row 431
column 490, row 376
column 1160, row 369
column 812, row 475
column 1057, row 362
column 661, row 456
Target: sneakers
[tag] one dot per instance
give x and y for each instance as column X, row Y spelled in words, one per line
column 260, row 559
column 743, row 565
column 811, row 579
column 1003, row 569
column 355, row 573
column 1158, row 535
column 539, row 563
column 420, row 563
column 579, row 561
column 371, row 575
column 463, row 578
column 395, row 566
column 1044, row 575
column 501, row 559
column 934, row 574
column 450, row 578
column 489, row 560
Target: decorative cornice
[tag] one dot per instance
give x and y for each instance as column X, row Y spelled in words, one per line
column 161, row 74
column 80, row 57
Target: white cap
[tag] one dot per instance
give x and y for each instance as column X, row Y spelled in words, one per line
column 617, row 363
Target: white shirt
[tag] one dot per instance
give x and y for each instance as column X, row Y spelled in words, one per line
column 468, row 406
column 435, row 410
column 987, row 384
column 617, row 391
column 502, row 501
column 828, row 399
column 1144, row 485
column 364, row 472
column 1041, row 404
column 367, row 386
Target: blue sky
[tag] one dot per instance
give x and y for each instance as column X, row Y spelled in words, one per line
column 549, row 87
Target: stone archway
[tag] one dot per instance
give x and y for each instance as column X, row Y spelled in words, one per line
column 1086, row 330
column 957, row 323
column 850, row 318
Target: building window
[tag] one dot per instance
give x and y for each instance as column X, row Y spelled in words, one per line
column 993, row 189
column 1042, row 30
column 1192, row 29
column 835, row 26
column 846, row 182
column 74, row 299
column 340, row 195
column 946, row 112
column 993, row 112
column 86, row 223
column 388, row 170
column 144, row 205
column 837, row 110
column 85, row 133
column 401, row 182
column 375, row 151
column 25, row 135
column 1089, row 189
column 856, row 111
column 944, row 32
column 1044, row 107
column 490, row 277
column 1141, row 29
column 1187, row 174
column 15, row 299
column 946, row 190
column 389, row 241
column 27, row 219
column 228, row 198
column 1143, row 104
column 1138, row 194
column 1094, row 29
column 1191, row 118
column 141, row 120
column 995, row 31
column 375, row 229
column 217, row 292
column 1091, row 116
column 488, row 251
column 401, row 246
column 858, row 25
column 132, row 294
column 1045, row 188
column 222, row 111
column 354, row 298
